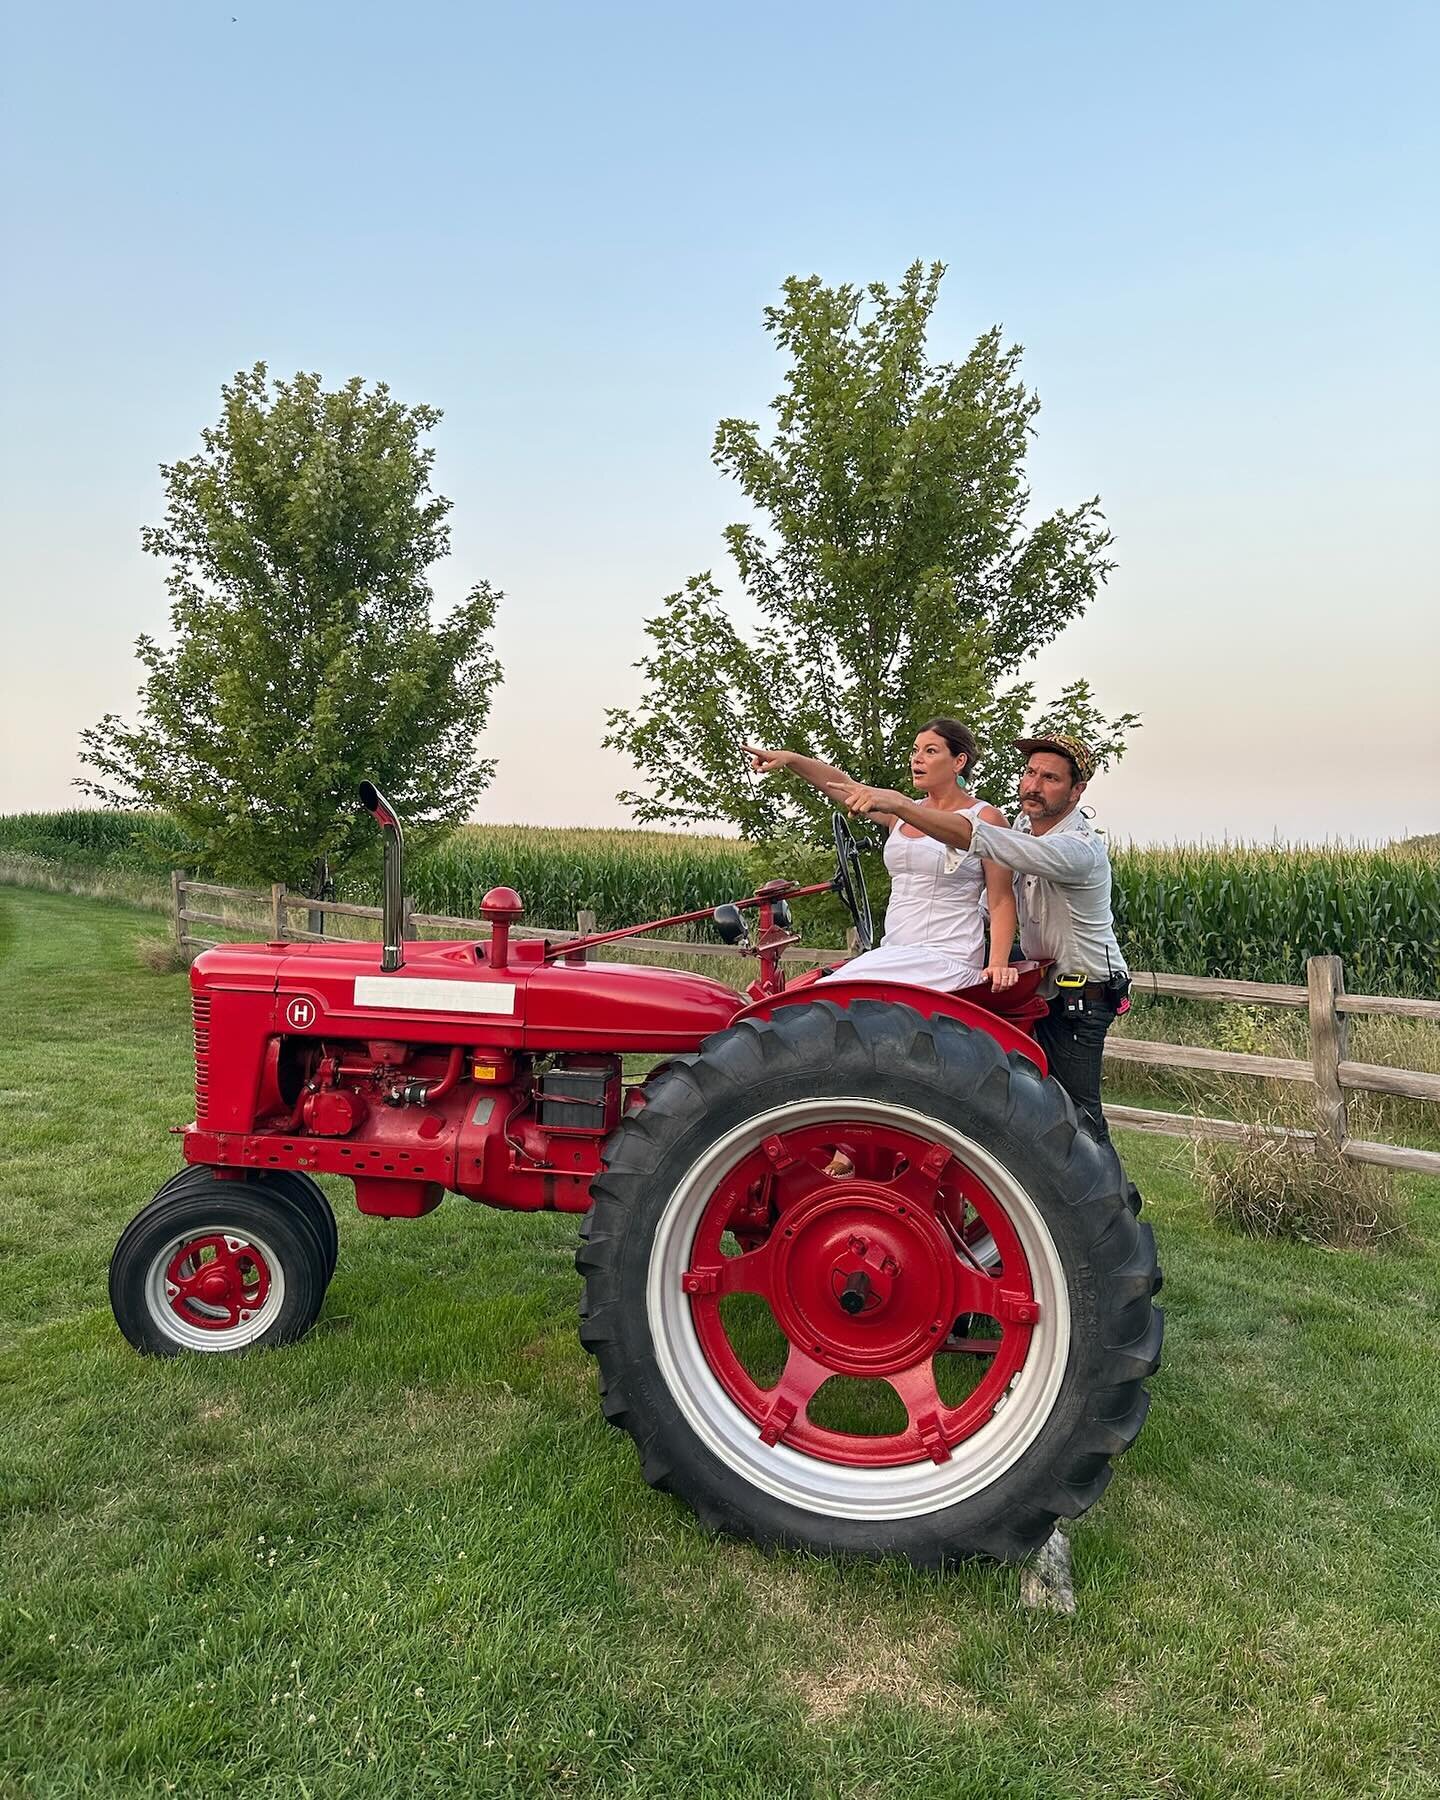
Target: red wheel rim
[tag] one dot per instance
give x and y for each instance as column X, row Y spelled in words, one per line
column 217, row 1282
column 861, row 1239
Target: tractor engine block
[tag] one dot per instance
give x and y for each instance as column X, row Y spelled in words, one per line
column 407, row 1121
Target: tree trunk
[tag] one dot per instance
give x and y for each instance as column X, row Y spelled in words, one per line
column 319, row 883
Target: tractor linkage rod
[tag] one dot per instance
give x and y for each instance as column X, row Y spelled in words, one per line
column 570, row 945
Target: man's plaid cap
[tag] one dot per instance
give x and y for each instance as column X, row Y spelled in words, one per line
column 1080, row 756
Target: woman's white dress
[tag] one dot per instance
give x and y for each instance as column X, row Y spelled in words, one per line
column 934, row 927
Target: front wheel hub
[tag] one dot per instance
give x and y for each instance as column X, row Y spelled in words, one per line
column 215, row 1289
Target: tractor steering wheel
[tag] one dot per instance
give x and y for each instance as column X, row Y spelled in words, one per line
column 849, row 881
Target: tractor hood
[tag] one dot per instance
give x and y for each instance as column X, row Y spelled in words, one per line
column 446, row 993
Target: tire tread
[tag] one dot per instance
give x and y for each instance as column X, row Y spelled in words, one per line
column 1034, row 1116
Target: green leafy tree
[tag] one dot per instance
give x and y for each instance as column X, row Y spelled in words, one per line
column 304, row 653
column 895, row 575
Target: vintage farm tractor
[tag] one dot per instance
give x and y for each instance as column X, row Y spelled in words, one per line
column 855, row 1277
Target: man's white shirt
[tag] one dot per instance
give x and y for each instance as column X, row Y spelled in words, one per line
column 1062, row 893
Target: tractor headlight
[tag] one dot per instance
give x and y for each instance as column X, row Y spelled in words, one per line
column 729, row 924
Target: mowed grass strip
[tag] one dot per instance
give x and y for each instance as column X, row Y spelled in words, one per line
column 406, row 1556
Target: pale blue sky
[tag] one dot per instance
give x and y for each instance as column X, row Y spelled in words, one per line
column 1213, row 228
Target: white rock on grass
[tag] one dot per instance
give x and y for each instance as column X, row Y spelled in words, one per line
column 1045, row 1583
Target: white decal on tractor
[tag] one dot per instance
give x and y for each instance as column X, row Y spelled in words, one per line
column 400, row 991
column 300, row 1014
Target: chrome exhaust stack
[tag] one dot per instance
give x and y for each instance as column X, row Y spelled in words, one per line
column 392, row 957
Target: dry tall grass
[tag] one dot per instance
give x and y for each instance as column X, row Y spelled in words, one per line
column 125, row 886
column 161, row 955
column 1276, row 1185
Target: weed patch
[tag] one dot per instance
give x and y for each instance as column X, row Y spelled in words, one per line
column 1267, row 1185
column 161, row 955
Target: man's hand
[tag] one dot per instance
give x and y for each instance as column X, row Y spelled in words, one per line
column 1001, row 976
column 855, row 797
column 768, row 762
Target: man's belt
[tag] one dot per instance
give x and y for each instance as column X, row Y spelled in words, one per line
column 1077, row 990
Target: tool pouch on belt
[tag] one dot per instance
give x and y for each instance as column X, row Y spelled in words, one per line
column 1071, row 989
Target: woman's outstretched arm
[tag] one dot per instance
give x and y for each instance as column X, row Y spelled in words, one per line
column 808, row 768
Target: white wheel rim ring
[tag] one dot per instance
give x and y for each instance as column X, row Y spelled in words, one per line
column 200, row 1337
column 807, row 1482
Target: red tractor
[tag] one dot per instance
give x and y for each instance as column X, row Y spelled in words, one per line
column 855, row 1278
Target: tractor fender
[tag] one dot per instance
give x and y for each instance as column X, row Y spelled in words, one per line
column 931, row 1002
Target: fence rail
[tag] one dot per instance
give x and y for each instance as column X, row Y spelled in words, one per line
column 1330, row 1071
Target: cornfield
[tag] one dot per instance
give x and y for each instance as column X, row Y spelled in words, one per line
column 620, row 876
column 1258, row 913
column 1236, row 910
column 116, row 841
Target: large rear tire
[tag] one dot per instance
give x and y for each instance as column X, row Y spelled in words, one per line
column 886, row 1208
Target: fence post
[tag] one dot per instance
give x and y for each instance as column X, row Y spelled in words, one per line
column 585, row 923
column 1329, row 1043
column 409, row 931
column 277, row 911
column 852, row 941
column 177, row 889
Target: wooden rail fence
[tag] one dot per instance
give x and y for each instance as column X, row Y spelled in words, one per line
column 1329, row 1069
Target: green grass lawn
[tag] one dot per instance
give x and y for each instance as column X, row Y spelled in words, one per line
column 406, row 1556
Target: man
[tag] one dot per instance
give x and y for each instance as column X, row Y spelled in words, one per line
column 1062, row 895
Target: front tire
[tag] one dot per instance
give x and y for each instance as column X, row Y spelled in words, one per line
column 217, row 1267
column 302, row 1191
column 858, row 1282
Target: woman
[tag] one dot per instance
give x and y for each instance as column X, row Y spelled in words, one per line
column 934, row 928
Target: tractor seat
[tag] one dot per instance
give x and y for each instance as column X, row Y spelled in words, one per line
column 1022, row 1004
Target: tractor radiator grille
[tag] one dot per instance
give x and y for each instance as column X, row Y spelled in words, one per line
column 202, row 1058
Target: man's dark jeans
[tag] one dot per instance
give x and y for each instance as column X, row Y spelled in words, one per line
column 1074, row 1047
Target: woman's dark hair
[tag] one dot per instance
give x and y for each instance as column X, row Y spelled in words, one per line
column 959, row 737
